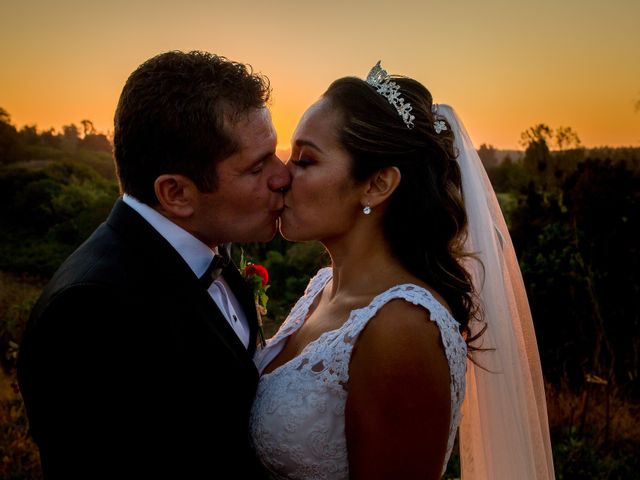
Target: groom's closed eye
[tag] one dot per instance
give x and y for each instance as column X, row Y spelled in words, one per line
column 257, row 167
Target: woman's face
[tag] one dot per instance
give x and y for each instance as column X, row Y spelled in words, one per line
column 323, row 201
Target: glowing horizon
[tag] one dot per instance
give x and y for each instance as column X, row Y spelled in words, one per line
column 503, row 66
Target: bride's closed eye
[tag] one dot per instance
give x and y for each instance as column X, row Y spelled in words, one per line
column 302, row 162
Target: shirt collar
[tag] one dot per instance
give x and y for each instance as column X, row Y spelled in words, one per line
column 194, row 252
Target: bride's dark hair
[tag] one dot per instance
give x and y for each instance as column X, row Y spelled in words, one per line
column 425, row 222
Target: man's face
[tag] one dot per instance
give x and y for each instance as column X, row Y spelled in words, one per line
column 248, row 199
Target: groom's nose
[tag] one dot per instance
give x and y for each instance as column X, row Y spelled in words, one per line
column 281, row 179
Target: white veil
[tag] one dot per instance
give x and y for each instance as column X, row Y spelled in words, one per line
column 504, row 432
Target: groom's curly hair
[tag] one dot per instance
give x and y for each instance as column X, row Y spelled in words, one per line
column 425, row 222
column 174, row 116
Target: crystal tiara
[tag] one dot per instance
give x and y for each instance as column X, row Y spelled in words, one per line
column 379, row 79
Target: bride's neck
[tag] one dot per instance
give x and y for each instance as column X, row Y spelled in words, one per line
column 362, row 263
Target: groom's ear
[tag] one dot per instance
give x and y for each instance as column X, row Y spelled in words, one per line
column 381, row 185
column 176, row 195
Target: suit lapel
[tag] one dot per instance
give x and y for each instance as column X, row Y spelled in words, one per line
column 166, row 266
column 218, row 324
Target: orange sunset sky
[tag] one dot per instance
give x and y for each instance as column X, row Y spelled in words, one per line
column 504, row 65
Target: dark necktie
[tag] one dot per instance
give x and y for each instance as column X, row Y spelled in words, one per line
column 214, row 270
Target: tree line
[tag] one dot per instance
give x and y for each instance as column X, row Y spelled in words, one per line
column 16, row 145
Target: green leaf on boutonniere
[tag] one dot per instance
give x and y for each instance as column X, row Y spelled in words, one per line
column 257, row 277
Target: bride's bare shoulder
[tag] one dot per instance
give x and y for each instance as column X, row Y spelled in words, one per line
column 399, row 346
column 401, row 331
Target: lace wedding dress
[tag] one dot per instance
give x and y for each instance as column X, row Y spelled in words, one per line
column 298, row 417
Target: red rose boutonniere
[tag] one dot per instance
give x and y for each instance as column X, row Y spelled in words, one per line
column 258, row 278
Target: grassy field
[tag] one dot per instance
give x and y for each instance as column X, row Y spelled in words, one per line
column 18, row 454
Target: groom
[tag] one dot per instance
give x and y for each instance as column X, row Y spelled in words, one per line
column 137, row 359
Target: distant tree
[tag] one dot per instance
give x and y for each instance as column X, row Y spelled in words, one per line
column 539, row 133
column 8, row 138
column 29, row 135
column 87, row 127
column 96, row 142
column 49, row 138
column 566, row 138
column 537, row 154
column 549, row 169
column 4, row 116
column 70, row 136
column 488, row 155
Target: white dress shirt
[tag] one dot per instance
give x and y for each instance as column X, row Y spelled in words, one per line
column 198, row 256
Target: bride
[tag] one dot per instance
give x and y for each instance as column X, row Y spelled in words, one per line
column 366, row 377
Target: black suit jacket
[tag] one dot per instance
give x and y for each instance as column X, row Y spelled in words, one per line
column 128, row 369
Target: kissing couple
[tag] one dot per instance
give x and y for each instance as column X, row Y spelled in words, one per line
column 140, row 360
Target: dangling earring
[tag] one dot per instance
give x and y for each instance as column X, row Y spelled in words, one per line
column 366, row 210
